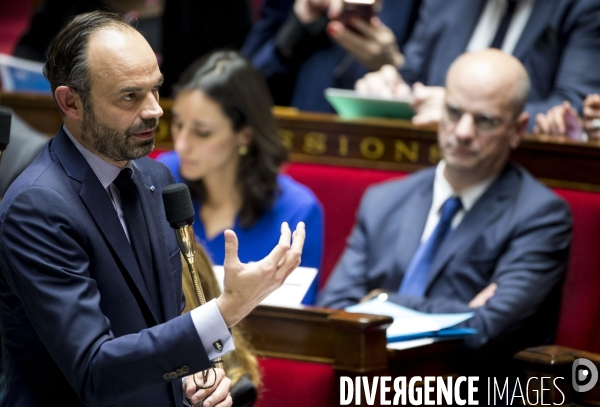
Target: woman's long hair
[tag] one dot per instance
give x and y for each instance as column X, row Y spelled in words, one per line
column 241, row 361
column 230, row 80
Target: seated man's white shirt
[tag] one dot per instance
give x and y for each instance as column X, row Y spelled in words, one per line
column 489, row 21
column 442, row 190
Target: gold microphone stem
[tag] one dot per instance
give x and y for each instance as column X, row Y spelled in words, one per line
column 185, row 236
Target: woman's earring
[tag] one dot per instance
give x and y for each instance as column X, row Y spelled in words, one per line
column 243, row 150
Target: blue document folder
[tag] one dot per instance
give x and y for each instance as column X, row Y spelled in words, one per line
column 410, row 324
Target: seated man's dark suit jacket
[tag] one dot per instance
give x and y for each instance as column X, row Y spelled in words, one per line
column 559, row 47
column 517, row 235
column 78, row 324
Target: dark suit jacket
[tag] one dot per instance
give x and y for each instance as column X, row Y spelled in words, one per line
column 300, row 82
column 25, row 144
column 78, row 324
column 516, row 235
column 558, row 47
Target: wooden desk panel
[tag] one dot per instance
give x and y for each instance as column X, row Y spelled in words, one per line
column 349, row 342
column 367, row 143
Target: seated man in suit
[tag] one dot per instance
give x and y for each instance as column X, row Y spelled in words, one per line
column 476, row 233
column 90, row 270
column 556, row 40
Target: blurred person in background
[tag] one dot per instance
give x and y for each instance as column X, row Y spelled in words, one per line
column 476, row 233
column 556, row 40
column 563, row 120
column 228, row 151
column 179, row 31
column 302, row 47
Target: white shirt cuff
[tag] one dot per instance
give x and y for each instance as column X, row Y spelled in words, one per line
column 212, row 330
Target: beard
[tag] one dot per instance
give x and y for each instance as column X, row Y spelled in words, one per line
column 113, row 143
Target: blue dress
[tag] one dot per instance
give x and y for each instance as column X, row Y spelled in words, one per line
column 294, row 203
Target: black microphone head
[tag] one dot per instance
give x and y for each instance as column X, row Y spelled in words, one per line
column 5, row 117
column 178, row 205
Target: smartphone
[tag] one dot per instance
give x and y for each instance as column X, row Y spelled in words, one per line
column 574, row 130
column 363, row 9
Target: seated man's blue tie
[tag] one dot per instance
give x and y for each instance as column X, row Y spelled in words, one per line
column 415, row 279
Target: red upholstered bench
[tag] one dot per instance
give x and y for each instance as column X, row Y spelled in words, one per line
column 339, row 189
column 580, row 309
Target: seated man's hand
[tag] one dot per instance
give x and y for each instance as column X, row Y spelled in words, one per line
column 386, row 82
column 428, row 104
column 372, row 44
column 561, row 120
column 482, row 298
column 373, row 294
column 246, row 285
column 591, row 116
column 215, row 396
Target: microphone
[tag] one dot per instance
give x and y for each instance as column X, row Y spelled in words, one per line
column 5, row 118
column 180, row 215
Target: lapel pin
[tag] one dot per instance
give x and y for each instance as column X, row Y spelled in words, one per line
column 152, row 188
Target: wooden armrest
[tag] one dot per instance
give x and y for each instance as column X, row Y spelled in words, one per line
column 554, row 355
column 555, row 361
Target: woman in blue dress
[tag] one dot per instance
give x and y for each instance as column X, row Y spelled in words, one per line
column 228, row 151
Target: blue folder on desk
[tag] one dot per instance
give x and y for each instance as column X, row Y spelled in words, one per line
column 409, row 324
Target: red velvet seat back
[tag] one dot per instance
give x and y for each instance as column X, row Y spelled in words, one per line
column 288, row 383
column 339, row 189
column 580, row 305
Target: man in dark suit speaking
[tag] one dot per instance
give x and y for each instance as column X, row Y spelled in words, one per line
column 476, row 233
column 90, row 282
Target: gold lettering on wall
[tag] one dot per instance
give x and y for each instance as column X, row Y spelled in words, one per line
column 343, row 141
column 434, row 154
column 403, row 151
column 372, row 148
column 287, row 137
column 162, row 131
column 315, row 143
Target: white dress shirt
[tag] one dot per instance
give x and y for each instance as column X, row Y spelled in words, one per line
column 207, row 319
column 489, row 21
column 442, row 190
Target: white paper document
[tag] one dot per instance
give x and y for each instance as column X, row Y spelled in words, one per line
column 290, row 294
column 410, row 324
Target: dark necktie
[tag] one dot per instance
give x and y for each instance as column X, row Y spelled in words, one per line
column 138, row 233
column 503, row 27
column 415, row 280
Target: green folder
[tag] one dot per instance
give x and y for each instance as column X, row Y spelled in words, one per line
column 350, row 105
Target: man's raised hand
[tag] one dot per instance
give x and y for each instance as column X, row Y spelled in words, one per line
column 246, row 285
